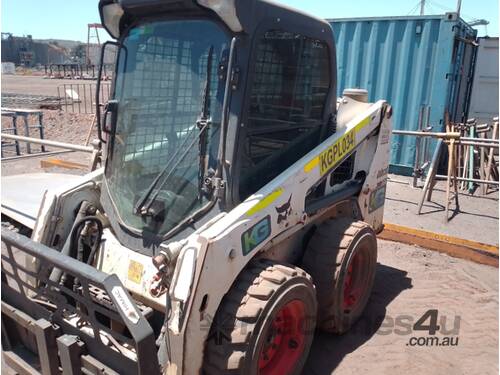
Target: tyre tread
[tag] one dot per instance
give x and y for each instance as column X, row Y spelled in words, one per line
column 319, row 263
column 255, row 286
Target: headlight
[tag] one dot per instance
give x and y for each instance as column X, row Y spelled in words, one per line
column 111, row 16
column 226, row 10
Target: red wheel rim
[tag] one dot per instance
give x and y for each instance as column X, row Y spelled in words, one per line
column 285, row 340
column 354, row 285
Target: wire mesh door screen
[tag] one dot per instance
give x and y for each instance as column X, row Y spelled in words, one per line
column 160, row 87
column 291, row 80
column 167, row 89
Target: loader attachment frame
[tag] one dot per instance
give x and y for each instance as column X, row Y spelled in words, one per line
column 47, row 326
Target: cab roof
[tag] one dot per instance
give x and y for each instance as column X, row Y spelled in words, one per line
column 249, row 12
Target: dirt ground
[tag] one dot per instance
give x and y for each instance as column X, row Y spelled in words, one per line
column 34, row 85
column 410, row 281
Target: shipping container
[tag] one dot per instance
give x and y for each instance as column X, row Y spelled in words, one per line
column 484, row 99
column 411, row 62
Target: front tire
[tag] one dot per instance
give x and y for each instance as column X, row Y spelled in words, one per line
column 265, row 324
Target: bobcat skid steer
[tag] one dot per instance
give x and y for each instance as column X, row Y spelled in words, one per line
column 236, row 211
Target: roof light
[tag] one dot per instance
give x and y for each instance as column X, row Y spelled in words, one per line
column 111, row 16
column 226, row 10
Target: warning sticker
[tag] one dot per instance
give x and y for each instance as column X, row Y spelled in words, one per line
column 135, row 270
column 377, row 199
column 125, row 304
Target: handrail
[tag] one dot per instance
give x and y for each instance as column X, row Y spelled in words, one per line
column 46, row 142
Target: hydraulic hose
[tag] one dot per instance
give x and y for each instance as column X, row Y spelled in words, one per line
column 97, row 241
column 80, row 245
column 55, row 275
column 74, row 245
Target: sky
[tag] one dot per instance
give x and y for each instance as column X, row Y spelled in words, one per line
column 68, row 19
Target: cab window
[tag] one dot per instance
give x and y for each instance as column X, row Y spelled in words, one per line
column 291, row 81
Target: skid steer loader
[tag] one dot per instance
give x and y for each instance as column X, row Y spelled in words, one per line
column 236, row 211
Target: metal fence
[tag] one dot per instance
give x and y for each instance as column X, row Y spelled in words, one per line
column 30, row 119
column 80, row 97
column 78, row 71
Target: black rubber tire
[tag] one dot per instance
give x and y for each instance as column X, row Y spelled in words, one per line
column 327, row 257
column 246, row 313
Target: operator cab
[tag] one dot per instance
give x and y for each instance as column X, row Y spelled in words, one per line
column 212, row 99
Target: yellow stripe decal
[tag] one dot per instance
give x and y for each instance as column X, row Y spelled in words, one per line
column 336, row 152
column 265, row 202
column 362, row 124
column 311, row 165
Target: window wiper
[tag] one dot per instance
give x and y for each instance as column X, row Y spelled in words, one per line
column 144, row 203
column 204, row 122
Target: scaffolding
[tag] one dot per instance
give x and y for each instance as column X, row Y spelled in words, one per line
column 92, row 36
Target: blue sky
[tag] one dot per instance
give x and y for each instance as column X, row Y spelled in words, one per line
column 68, row 19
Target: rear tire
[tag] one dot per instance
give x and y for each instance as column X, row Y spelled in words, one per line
column 341, row 258
column 265, row 323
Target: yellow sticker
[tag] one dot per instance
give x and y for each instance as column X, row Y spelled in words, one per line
column 311, row 165
column 135, row 271
column 362, row 124
column 265, row 202
column 337, row 151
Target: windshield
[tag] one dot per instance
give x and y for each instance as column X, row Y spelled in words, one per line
column 161, row 84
